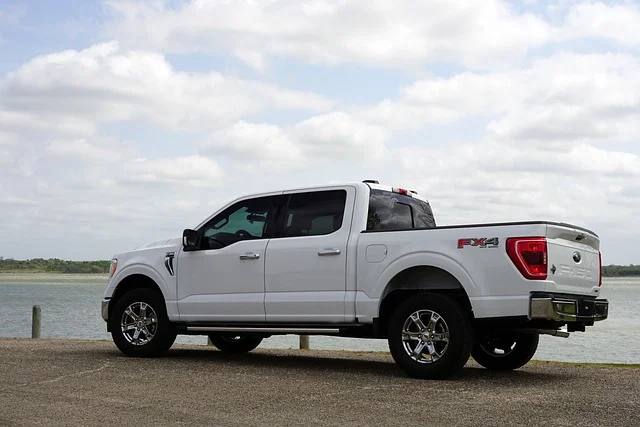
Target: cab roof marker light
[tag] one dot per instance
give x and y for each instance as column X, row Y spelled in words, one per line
column 402, row 191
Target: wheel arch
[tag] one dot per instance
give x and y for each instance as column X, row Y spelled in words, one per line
column 417, row 279
column 130, row 282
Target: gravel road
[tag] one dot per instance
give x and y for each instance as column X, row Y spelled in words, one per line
column 71, row 382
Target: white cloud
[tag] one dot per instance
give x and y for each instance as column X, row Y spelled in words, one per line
column 97, row 191
column 489, row 182
column 5, row 157
column 253, row 141
column 83, row 150
column 564, row 97
column 99, row 146
column 336, row 135
column 187, row 171
column 339, row 135
column 404, row 32
column 616, row 22
column 75, row 91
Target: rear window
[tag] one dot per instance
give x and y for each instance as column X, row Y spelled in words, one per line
column 392, row 211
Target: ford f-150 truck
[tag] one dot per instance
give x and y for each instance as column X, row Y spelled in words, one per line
column 359, row 260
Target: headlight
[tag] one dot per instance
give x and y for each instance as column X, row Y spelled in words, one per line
column 112, row 269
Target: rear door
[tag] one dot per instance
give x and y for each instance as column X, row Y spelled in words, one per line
column 574, row 259
column 305, row 271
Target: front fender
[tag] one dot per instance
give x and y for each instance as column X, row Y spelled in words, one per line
column 142, row 269
column 168, row 290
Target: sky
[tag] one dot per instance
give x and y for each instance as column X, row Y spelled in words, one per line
column 123, row 122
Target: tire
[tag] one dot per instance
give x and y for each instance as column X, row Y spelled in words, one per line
column 155, row 336
column 504, row 350
column 229, row 343
column 444, row 349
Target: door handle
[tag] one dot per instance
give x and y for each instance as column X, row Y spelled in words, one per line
column 329, row 252
column 249, row 256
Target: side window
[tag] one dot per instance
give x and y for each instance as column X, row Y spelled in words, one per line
column 422, row 214
column 314, row 214
column 391, row 211
column 244, row 220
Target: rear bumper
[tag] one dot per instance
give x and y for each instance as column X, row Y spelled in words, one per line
column 568, row 308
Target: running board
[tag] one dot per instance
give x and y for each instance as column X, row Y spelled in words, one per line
column 270, row 329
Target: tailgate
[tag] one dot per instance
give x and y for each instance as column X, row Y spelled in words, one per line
column 574, row 260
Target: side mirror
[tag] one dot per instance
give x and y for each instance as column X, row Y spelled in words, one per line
column 190, row 240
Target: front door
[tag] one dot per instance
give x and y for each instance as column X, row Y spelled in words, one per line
column 305, row 271
column 223, row 280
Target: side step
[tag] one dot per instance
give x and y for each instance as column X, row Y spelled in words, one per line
column 266, row 329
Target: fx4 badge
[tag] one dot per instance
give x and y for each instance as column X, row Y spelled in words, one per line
column 482, row 242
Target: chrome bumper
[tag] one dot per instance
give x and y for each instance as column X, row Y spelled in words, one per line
column 568, row 309
column 105, row 310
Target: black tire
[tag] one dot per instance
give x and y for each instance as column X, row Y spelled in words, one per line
column 504, row 350
column 161, row 334
column 449, row 355
column 233, row 343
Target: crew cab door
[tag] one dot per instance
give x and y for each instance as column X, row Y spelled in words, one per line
column 305, row 271
column 223, row 280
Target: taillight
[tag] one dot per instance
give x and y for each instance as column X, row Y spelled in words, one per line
column 600, row 258
column 529, row 255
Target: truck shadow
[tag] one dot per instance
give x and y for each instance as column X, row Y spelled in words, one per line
column 357, row 364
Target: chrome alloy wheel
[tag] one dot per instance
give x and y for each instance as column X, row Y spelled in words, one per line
column 139, row 323
column 425, row 336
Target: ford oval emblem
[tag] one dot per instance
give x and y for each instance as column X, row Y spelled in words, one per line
column 577, row 257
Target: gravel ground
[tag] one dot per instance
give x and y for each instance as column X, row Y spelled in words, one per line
column 71, row 382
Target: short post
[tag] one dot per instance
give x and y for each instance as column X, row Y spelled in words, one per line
column 36, row 318
column 304, row 342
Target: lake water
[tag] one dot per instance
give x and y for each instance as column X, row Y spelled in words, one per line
column 71, row 309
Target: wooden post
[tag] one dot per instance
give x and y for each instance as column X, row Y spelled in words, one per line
column 304, row 342
column 36, row 318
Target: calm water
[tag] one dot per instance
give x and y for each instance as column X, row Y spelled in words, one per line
column 71, row 309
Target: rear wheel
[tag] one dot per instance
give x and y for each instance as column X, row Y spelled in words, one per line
column 505, row 350
column 430, row 336
column 139, row 324
column 230, row 343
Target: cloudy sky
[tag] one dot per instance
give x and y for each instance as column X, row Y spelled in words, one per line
column 123, row 122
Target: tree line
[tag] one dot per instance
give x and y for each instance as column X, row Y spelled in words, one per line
column 55, row 265
column 621, row 270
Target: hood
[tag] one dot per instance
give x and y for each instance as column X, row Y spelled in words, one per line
column 169, row 243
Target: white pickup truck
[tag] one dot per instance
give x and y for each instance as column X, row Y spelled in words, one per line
column 359, row 260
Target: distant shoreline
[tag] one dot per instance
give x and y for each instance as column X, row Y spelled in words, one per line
column 53, row 265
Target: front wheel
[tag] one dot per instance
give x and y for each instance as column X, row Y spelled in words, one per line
column 139, row 324
column 505, row 350
column 230, row 343
column 430, row 336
